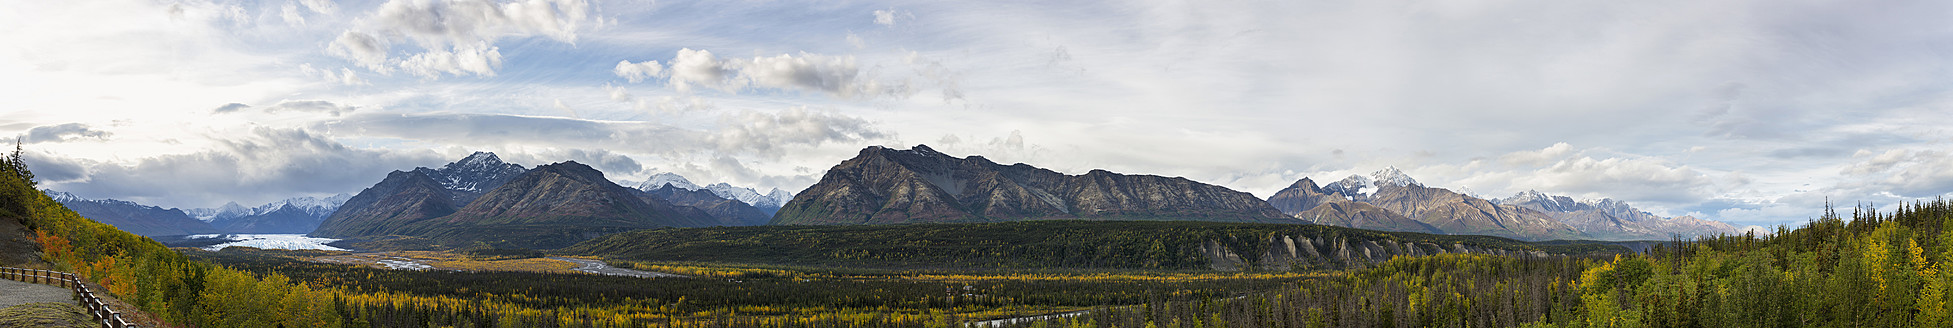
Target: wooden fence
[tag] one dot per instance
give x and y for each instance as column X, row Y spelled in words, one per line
column 101, row 312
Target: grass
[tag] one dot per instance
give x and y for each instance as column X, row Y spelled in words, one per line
column 44, row 314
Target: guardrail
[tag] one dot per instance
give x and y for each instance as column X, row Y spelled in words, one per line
column 101, row 312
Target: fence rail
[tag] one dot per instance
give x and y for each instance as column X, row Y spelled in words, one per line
column 101, row 312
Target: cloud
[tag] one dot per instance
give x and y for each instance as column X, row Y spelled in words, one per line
column 363, row 49
column 230, row 108
column 618, row 93
column 264, row 165
column 755, row 133
column 1583, row 173
column 839, row 76
column 49, row 168
column 345, row 76
column 637, row 72
column 320, row 6
column 457, row 37
column 1903, row 172
column 479, row 59
column 312, row 106
column 887, row 17
column 64, row 133
column 761, row 132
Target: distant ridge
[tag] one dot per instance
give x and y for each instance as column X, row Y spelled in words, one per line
column 886, row 186
column 132, row 217
column 1391, row 200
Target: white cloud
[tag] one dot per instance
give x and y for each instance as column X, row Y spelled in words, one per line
column 839, row 76
column 887, row 17
column 265, row 165
column 363, row 49
column 345, row 76
column 313, row 106
column 458, row 37
column 479, row 59
column 1582, row 173
column 290, row 14
column 321, row 6
column 1903, row 172
column 748, row 133
column 762, row 132
column 637, row 72
column 700, row 67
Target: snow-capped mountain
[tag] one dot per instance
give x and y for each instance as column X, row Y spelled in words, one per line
column 1390, row 176
column 229, row 210
column 660, row 180
column 748, row 195
column 314, row 206
column 1358, row 187
column 768, row 202
column 478, row 173
column 1608, row 218
column 290, row 215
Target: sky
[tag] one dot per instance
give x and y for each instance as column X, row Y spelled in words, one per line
column 1752, row 112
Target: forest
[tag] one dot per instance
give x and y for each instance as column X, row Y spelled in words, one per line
column 1169, row 245
column 1872, row 268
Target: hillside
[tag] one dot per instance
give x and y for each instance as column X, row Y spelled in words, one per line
column 919, row 185
column 1053, row 244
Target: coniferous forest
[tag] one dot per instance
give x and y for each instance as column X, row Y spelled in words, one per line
column 1871, row 268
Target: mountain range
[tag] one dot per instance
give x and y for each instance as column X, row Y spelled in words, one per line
column 1391, row 200
column 1610, row 219
column 132, row 217
column 768, row 203
column 291, row 215
column 919, row 185
column 481, row 199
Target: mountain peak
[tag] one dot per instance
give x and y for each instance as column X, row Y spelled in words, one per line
column 663, row 179
column 1389, row 175
column 478, row 172
column 1305, row 182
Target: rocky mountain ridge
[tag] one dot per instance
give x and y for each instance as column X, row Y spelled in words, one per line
column 1611, row 219
column 480, row 199
column 1391, row 200
column 768, row 203
column 882, row 185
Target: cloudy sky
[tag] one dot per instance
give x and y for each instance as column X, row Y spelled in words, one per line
column 1748, row 111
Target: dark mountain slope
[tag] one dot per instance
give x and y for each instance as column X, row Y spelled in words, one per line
column 402, row 199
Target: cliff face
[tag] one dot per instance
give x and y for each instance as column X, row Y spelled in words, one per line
column 886, row 186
